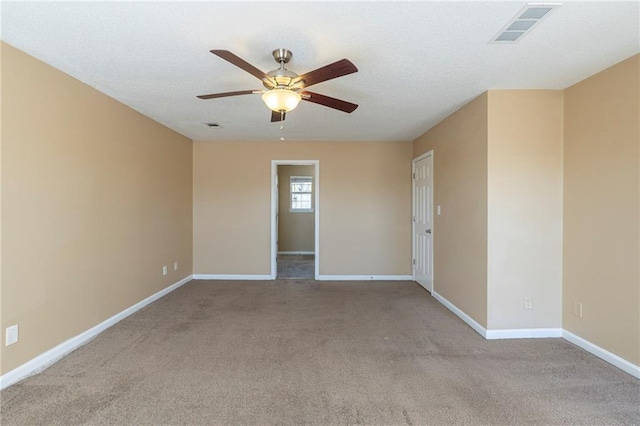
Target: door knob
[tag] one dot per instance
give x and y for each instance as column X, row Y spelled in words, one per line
column 428, row 231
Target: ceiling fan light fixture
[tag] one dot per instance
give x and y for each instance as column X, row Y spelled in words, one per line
column 279, row 100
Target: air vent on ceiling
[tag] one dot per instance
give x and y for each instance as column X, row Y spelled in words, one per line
column 214, row 125
column 523, row 22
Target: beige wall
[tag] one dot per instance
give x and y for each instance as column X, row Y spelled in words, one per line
column 365, row 206
column 459, row 145
column 601, row 209
column 520, row 174
column 96, row 198
column 295, row 229
column 498, row 180
column 525, row 208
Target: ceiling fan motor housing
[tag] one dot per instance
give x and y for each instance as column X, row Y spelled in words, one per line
column 282, row 77
column 282, row 55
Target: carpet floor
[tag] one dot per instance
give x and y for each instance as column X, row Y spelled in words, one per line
column 320, row 353
column 296, row 266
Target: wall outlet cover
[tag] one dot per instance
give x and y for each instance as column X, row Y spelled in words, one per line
column 577, row 309
column 11, row 335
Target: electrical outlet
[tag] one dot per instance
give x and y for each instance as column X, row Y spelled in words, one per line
column 164, row 270
column 11, row 335
column 577, row 309
column 528, row 303
column 175, row 266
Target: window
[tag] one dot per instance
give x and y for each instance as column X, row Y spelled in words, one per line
column 301, row 191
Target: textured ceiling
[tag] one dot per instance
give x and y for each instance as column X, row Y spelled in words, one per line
column 418, row 61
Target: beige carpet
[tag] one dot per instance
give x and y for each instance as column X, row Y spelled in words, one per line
column 324, row 353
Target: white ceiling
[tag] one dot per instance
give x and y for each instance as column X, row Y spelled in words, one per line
column 418, row 61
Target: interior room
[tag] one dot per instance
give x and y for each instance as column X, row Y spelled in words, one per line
column 445, row 230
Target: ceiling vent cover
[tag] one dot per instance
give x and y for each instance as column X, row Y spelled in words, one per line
column 213, row 125
column 523, row 22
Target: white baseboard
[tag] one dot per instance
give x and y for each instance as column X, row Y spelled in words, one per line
column 523, row 333
column 528, row 333
column 319, row 277
column 464, row 317
column 603, row 354
column 364, row 278
column 296, row 252
column 231, row 277
column 53, row 355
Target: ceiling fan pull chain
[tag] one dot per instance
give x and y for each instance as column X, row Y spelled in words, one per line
column 281, row 125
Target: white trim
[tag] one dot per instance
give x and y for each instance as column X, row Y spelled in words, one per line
column 364, row 278
column 523, row 333
column 516, row 333
column 231, row 277
column 300, row 210
column 603, row 354
column 413, row 213
column 46, row 359
column 274, row 230
column 296, row 252
column 413, row 223
column 464, row 317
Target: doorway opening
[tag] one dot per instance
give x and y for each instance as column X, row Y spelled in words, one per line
column 295, row 221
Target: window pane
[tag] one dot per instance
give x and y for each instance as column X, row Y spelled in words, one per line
column 301, row 201
column 301, row 187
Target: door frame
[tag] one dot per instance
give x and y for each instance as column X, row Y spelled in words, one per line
column 413, row 213
column 316, row 211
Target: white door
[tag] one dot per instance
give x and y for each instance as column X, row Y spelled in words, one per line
column 423, row 221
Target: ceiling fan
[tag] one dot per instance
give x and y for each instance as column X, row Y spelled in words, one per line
column 285, row 89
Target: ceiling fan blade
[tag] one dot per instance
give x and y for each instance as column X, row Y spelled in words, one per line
column 224, row 95
column 240, row 63
column 328, row 101
column 276, row 116
column 328, row 72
